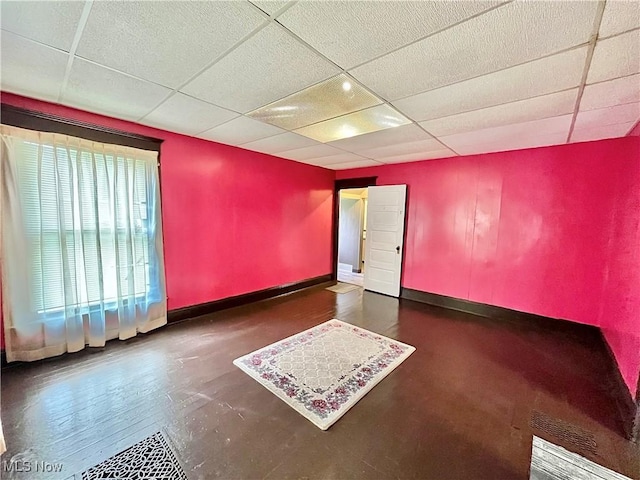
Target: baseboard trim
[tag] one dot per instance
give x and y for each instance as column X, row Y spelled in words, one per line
column 192, row 311
column 635, row 433
column 628, row 409
column 495, row 312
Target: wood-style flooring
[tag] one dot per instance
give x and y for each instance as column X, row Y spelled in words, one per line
column 459, row 408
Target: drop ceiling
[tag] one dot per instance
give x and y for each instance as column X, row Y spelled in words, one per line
column 338, row 84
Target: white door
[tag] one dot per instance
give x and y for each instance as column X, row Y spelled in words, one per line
column 385, row 235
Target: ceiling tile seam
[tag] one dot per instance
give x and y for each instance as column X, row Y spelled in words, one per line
column 437, row 32
column 587, row 64
column 635, row 124
column 502, row 104
column 319, row 143
column 257, row 9
column 231, row 120
column 249, row 35
column 309, row 47
column 596, row 127
column 264, row 24
column 612, row 79
column 436, row 138
column 357, row 161
column 279, row 12
column 36, row 42
column 336, row 163
column 558, row 52
column 130, row 75
column 82, row 22
column 619, row 34
column 265, row 138
column 632, row 102
column 173, row 92
column 315, row 158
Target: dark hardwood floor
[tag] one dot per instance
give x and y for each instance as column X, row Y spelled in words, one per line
column 459, row 408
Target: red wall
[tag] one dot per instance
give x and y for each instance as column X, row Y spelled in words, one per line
column 636, row 131
column 235, row 221
column 552, row 231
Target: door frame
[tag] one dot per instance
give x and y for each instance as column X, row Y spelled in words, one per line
column 362, row 182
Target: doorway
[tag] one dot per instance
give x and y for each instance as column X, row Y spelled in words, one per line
column 342, row 185
column 380, row 224
column 352, row 235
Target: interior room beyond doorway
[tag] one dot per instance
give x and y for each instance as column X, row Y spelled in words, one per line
column 352, row 235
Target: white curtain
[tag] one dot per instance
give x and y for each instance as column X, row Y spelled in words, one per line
column 82, row 256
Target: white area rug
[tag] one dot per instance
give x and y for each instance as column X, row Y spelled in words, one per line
column 342, row 288
column 322, row 372
column 552, row 462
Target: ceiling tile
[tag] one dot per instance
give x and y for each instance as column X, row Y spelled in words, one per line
column 515, row 143
column 509, row 35
column 241, row 130
column 329, row 99
column 543, row 76
column 333, row 159
column 269, row 6
column 357, row 123
column 619, row 16
column 416, row 157
column 608, row 116
column 601, row 132
column 613, row 92
column 358, row 164
column 615, row 57
column 31, row 69
column 53, row 23
column 101, row 90
column 314, row 151
column 351, row 33
column 183, row 114
column 267, row 67
column 382, row 138
column 280, row 143
column 515, row 134
column 403, row 149
column 165, row 42
column 545, row 106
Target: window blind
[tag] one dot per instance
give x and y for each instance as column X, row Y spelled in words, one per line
column 86, row 210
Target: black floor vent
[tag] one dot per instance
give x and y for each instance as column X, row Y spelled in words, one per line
column 567, row 433
column 151, row 458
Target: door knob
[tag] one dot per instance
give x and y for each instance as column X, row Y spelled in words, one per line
column 398, row 249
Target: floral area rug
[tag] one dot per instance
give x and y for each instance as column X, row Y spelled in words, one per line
column 322, row 372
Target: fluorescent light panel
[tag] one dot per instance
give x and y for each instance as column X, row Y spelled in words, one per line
column 329, row 99
column 365, row 121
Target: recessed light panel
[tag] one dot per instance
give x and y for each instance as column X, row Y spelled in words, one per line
column 329, row 99
column 357, row 123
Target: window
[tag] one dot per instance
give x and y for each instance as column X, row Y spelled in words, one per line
column 82, row 253
column 69, row 197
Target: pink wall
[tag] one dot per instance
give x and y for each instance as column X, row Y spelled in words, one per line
column 235, row 221
column 636, row 131
column 552, row 231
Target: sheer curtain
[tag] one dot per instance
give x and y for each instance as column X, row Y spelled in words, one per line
column 82, row 256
